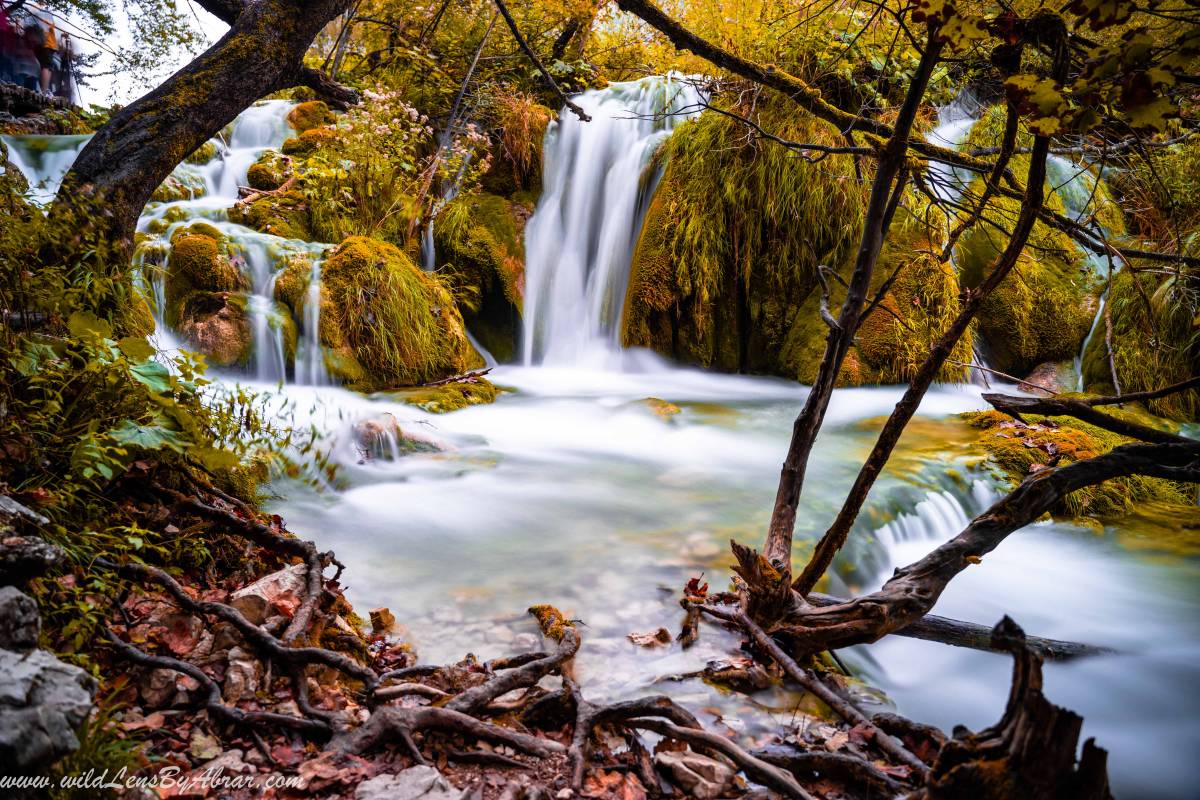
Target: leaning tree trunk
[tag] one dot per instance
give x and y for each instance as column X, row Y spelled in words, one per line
column 262, row 52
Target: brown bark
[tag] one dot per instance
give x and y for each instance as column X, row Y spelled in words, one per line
column 1029, row 754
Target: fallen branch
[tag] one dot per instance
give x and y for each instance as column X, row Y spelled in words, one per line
column 537, row 62
column 1081, row 410
column 466, row 377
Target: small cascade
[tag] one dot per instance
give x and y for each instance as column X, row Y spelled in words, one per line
column 44, row 161
column 310, row 357
column 256, row 129
column 579, row 242
column 955, row 121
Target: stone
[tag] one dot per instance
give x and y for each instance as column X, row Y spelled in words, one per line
column 382, row 621
column 19, row 620
column 1049, row 378
column 241, row 676
column 281, row 591
column 23, row 558
column 414, row 783
column 158, row 688
column 42, row 703
column 698, row 776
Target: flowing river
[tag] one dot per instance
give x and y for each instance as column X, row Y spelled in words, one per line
column 581, row 486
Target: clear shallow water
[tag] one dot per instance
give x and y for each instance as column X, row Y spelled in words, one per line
column 571, row 490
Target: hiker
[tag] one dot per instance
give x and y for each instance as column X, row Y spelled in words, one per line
column 47, row 53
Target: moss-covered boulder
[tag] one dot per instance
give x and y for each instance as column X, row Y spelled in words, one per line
column 291, row 283
column 725, row 271
column 448, row 397
column 179, row 185
column 216, row 324
column 197, row 263
column 285, row 215
column 480, row 248
column 1044, row 308
column 269, row 171
column 1155, row 341
column 310, row 141
column 1015, row 450
column 399, row 325
column 308, row 115
column 203, row 154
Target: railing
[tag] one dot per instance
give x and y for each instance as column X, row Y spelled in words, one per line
column 37, row 61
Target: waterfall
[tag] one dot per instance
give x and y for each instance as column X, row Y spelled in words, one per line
column 44, row 161
column 579, row 241
column 310, row 358
column 955, row 120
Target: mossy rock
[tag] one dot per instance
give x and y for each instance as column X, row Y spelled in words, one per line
column 196, row 264
column 179, row 187
column 216, row 325
column 308, row 115
column 479, row 242
column 447, row 397
column 12, row 181
column 1016, row 450
column 270, row 171
column 398, row 323
column 724, row 274
column 310, row 141
column 284, row 215
column 1044, row 308
column 203, row 154
column 291, row 283
column 1154, row 342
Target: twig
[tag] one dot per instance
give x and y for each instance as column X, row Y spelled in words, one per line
column 516, row 32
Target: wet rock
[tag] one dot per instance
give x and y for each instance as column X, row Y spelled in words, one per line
column 158, row 689
column 382, row 438
column 698, row 776
column 19, row 620
column 42, row 703
column 414, row 783
column 279, row 592
column 1048, row 378
column 216, row 325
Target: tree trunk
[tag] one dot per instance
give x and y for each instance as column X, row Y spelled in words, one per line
column 262, row 52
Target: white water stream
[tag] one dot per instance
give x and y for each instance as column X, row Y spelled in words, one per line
column 572, row 490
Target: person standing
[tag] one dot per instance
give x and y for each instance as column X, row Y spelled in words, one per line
column 47, row 54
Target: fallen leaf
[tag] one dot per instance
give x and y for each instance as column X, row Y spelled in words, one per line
column 203, row 747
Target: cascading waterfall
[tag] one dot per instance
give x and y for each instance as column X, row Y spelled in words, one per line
column 310, row 359
column 579, row 241
column 44, row 161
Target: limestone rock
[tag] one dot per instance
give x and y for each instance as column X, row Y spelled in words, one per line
column 25, row 557
column 280, row 591
column 19, row 620
column 414, row 783
column 698, row 776
column 42, row 703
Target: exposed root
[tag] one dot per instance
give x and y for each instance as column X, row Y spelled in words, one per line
column 392, row 723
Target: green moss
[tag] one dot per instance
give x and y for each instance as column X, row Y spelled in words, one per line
column 551, row 621
column 309, row 141
column 204, row 153
column 196, row 264
column 269, row 171
column 448, row 397
column 1155, row 341
column 177, row 187
column 285, row 215
column 309, row 115
column 1042, row 311
column 1016, row 450
column 291, row 283
column 400, row 324
column 480, row 249
column 727, row 256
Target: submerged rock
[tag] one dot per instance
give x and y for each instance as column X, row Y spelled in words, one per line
column 382, row 438
column 448, row 397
